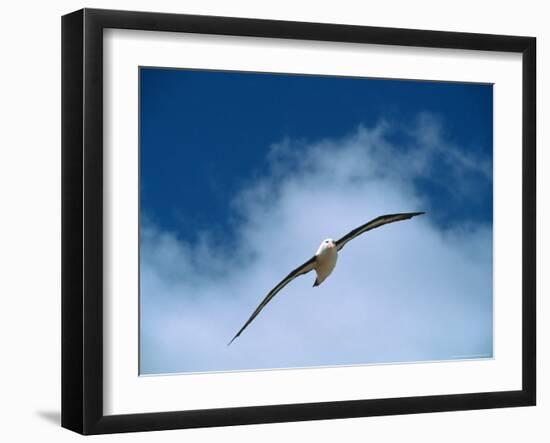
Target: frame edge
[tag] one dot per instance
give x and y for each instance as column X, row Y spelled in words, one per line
column 529, row 220
column 72, row 252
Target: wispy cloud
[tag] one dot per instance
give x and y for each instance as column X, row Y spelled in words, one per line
column 406, row 292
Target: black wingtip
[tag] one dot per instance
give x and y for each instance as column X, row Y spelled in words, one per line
column 414, row 214
column 232, row 340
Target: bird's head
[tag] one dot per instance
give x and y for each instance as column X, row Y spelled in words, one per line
column 327, row 243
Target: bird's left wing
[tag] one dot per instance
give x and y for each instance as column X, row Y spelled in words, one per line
column 374, row 223
column 300, row 270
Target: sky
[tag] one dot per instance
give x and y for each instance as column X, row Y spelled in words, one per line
column 243, row 174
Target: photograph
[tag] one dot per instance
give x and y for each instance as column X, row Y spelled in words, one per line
column 294, row 221
column 296, row 218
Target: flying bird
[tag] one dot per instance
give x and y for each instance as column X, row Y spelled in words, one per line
column 324, row 260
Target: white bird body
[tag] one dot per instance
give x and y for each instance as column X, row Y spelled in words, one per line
column 326, row 257
column 324, row 260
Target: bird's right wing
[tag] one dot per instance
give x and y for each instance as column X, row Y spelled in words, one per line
column 300, row 270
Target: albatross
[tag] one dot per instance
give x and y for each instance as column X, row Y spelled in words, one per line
column 324, row 260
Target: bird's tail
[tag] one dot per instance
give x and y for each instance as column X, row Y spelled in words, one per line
column 316, row 283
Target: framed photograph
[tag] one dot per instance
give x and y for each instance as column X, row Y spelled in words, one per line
column 268, row 221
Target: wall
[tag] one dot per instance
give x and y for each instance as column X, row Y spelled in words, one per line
column 30, row 234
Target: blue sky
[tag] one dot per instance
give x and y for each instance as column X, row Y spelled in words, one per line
column 243, row 174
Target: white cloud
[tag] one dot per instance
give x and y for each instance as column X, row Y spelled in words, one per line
column 405, row 292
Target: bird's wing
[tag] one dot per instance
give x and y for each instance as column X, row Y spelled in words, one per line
column 300, row 270
column 375, row 223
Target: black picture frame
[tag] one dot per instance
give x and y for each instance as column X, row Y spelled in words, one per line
column 82, row 216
